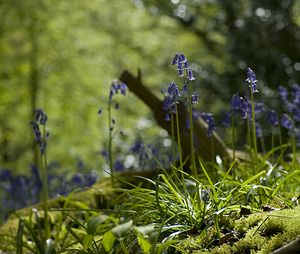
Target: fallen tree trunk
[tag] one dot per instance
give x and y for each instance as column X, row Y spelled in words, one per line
column 206, row 147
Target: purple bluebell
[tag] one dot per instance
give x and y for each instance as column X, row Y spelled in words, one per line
column 286, row 122
column 272, row 118
column 119, row 165
column 117, row 87
column 227, row 119
column 194, row 98
column 251, row 79
column 167, row 117
column 283, row 92
column 171, row 98
column 185, row 88
column 40, row 117
column 208, row 118
column 239, row 105
column 182, row 58
column 235, row 102
column 41, row 141
column 173, row 90
column 182, row 66
column 259, row 107
column 78, row 180
column 175, row 59
column 180, row 72
column 5, row 175
column 190, row 75
column 296, row 94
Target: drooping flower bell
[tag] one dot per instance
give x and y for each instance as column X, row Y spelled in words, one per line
column 272, row 118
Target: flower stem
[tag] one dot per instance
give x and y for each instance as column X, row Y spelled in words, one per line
column 110, row 137
column 44, row 179
column 253, row 126
column 178, row 139
column 193, row 160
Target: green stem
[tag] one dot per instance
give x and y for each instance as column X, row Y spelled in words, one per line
column 272, row 143
column 110, row 137
column 233, row 137
column 173, row 137
column 44, row 179
column 193, row 159
column 253, row 126
column 178, row 139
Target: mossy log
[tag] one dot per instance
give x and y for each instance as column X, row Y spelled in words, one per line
column 205, row 147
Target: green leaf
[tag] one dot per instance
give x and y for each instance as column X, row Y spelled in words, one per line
column 87, row 240
column 49, row 246
column 144, row 244
column 108, row 240
column 94, row 222
column 19, row 237
column 145, row 230
column 119, row 230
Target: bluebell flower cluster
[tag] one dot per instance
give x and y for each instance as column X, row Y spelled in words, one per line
column 143, row 153
column 182, row 66
column 251, row 79
column 240, row 105
column 291, row 117
column 173, row 94
column 17, row 191
column 171, row 99
column 117, row 87
column 40, row 118
column 272, row 118
column 209, row 119
column 286, row 122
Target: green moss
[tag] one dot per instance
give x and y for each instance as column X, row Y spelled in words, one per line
column 263, row 233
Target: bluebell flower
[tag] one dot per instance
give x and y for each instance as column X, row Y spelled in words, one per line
column 194, row 98
column 40, row 117
column 251, row 79
column 175, row 59
column 227, row 119
column 5, row 175
column 283, row 92
column 173, row 90
column 182, row 66
column 235, row 102
column 119, row 166
column 259, row 107
column 171, row 98
column 190, row 75
column 240, row 105
column 286, row 122
column 296, row 94
column 208, row 118
column 117, row 87
column 78, row 180
column 272, row 118
column 167, row 117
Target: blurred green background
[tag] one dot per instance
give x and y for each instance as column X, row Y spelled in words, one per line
column 62, row 56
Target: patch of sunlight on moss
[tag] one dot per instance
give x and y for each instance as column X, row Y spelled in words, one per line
column 263, row 233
